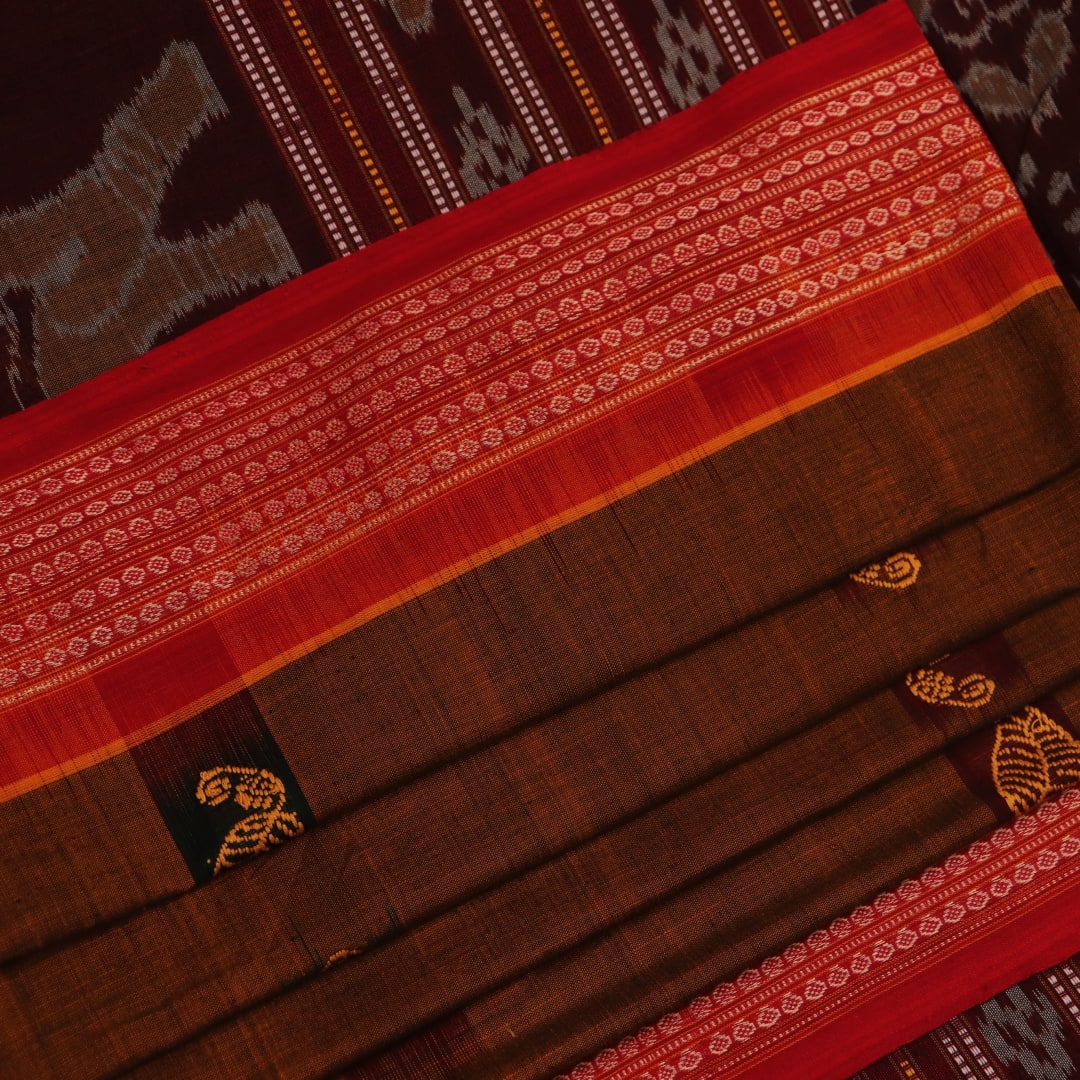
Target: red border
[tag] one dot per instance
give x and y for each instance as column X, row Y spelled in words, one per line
column 305, row 306
column 642, row 441
column 1037, row 938
column 135, row 694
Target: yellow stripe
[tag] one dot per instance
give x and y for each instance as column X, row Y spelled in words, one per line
column 556, row 521
column 575, row 72
column 342, row 110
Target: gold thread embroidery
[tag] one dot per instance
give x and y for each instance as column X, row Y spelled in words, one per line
column 899, row 571
column 1033, row 758
column 256, row 790
column 336, row 958
column 937, row 688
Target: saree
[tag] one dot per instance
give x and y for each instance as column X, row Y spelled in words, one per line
column 177, row 158
column 652, row 583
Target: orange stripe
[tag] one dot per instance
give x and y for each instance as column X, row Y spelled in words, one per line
column 785, row 28
column 342, row 110
column 434, row 581
column 587, row 97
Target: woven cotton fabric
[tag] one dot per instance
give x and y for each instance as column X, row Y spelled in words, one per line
column 621, row 625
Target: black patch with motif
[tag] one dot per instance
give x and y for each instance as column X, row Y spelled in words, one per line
column 223, row 786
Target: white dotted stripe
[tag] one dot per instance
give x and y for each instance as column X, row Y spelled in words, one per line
column 624, row 52
column 396, row 97
column 1072, row 976
column 822, row 15
column 1067, row 999
column 973, row 1048
column 735, row 22
column 304, row 155
column 959, row 1060
column 719, row 24
column 516, row 76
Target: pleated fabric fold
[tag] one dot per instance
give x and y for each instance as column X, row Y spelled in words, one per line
column 461, row 657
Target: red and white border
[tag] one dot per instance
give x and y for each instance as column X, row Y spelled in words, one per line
column 769, row 1009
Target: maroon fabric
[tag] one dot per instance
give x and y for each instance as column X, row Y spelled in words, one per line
column 1016, row 65
column 175, row 159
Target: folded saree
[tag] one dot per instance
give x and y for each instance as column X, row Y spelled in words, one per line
column 171, row 158
column 474, row 650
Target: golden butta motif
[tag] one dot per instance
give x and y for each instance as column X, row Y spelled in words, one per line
column 938, row 688
column 258, row 791
column 899, row 571
column 1033, row 758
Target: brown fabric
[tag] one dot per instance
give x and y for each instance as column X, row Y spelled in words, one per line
column 740, row 743
column 635, row 965
column 435, row 844
column 669, row 954
column 893, row 460
column 519, row 638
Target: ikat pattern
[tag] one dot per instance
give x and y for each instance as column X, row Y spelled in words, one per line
column 414, row 16
column 98, row 278
column 1016, row 64
column 692, row 65
column 1017, row 1026
column 1029, row 1032
column 493, row 154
